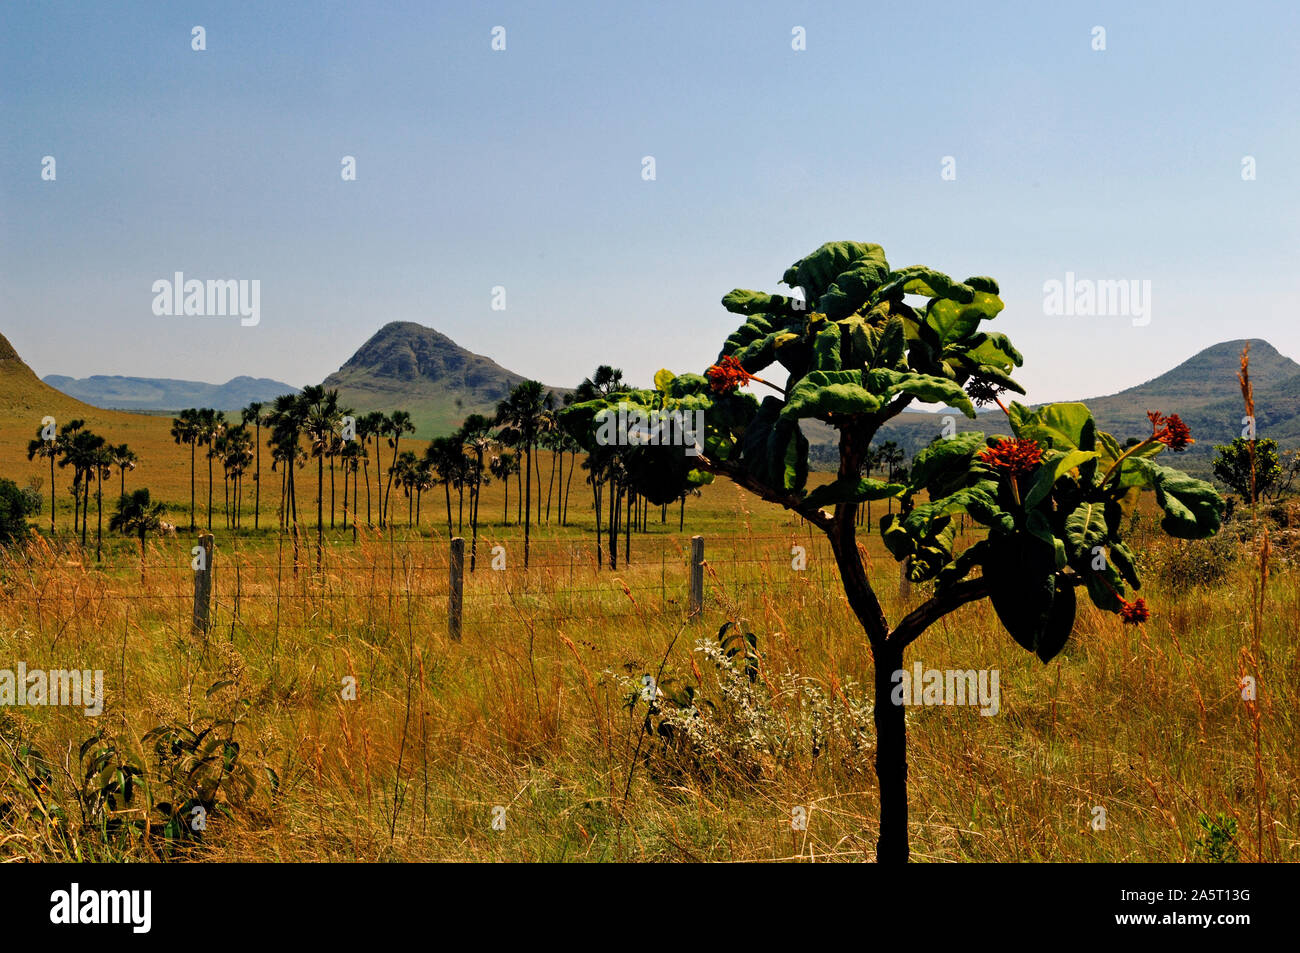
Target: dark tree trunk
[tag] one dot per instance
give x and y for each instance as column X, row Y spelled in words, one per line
column 891, row 759
column 595, row 495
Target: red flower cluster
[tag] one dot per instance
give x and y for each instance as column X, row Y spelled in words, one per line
column 1014, row 456
column 1171, row 431
column 1134, row 612
column 727, row 375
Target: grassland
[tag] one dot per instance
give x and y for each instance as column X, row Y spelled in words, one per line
column 536, row 709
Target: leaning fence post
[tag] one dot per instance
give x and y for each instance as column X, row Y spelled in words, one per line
column 697, row 576
column 201, row 563
column 455, row 587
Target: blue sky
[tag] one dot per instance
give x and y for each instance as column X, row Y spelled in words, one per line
column 522, row 169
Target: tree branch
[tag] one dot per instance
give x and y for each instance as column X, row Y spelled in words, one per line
column 811, row 513
column 929, row 612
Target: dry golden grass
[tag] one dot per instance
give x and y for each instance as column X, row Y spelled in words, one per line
column 529, row 711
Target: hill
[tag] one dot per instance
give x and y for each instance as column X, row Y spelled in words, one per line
column 25, row 399
column 167, row 394
column 412, row 367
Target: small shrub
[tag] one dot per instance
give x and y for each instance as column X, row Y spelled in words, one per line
column 1218, row 843
column 15, row 507
column 1184, row 564
column 741, row 724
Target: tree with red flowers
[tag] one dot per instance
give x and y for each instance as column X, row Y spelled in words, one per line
column 862, row 343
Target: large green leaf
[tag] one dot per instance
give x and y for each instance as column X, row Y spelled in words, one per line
column 1085, row 528
column 852, row 288
column 920, row 280
column 1059, row 426
column 741, row 301
column 1193, row 508
column 994, row 349
column 924, row 387
column 819, row 393
column 1020, row 572
column 774, row 450
column 1126, row 563
column 944, row 466
column 826, row 348
column 1055, row 465
column 853, row 490
column 1037, row 525
column 815, row 273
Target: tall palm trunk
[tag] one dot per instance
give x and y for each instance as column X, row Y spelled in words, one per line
column 320, row 510
column 528, row 499
column 573, row 465
column 550, row 486
column 99, row 514
column 257, row 477
column 595, row 495
column 209, row 489
column 366, row 467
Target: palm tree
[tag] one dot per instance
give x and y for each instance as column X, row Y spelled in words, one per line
column 501, row 466
column 349, row 463
column 82, row 452
column 185, row 429
column 443, row 455
column 286, row 421
column 124, row 458
column 320, row 417
column 209, row 425
column 102, row 461
column 50, row 449
column 422, row 479
column 67, row 434
column 404, row 471
column 136, row 514
column 398, row 423
column 476, row 437
column 523, row 415
column 236, row 455
column 252, row 414
column 368, row 428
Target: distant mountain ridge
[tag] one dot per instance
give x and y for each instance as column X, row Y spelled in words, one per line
column 407, row 366
column 1202, row 390
column 160, row 393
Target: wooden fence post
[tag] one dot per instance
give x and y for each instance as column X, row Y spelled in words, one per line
column 697, row 577
column 202, row 583
column 455, row 587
